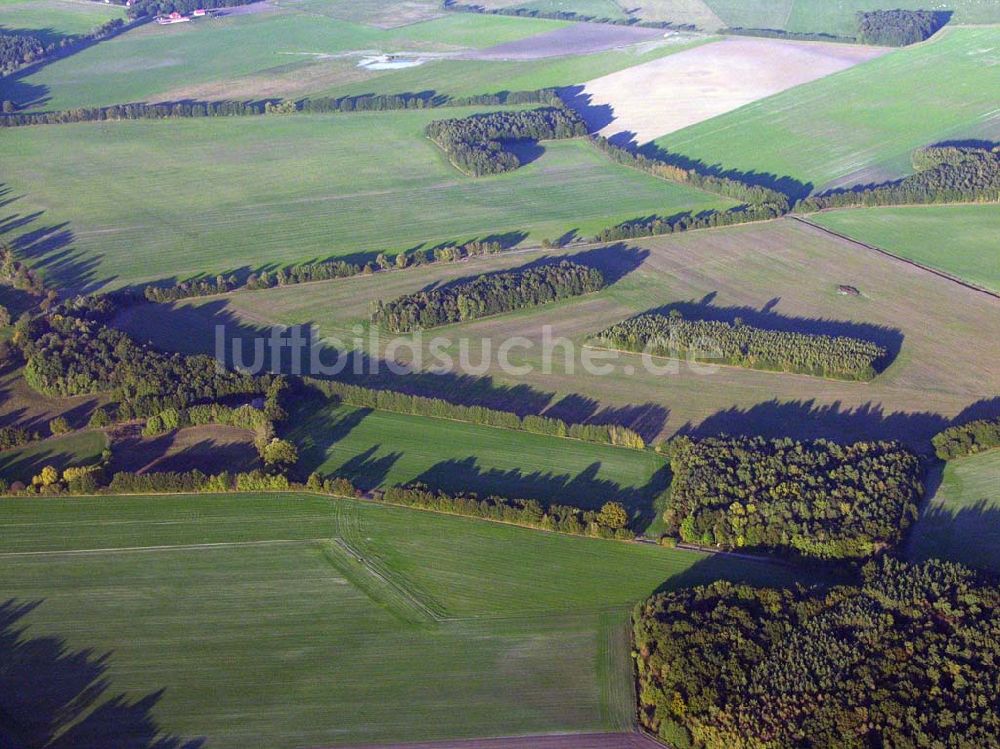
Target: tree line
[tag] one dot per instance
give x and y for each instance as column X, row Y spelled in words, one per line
column 153, row 8
column 610, row 521
column 561, row 15
column 19, row 50
column 906, row 657
column 475, row 144
column 967, row 439
column 321, row 271
column 240, row 108
column 487, row 295
column 416, row 405
column 898, row 28
column 744, row 345
column 944, row 174
column 812, row 499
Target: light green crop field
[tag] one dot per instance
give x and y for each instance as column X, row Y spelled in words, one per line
column 838, row 16
column 250, row 56
column 223, row 193
column 291, row 621
column 79, row 448
column 52, row 20
column 595, row 8
column 862, row 124
column 961, row 520
column 381, row 449
column 959, row 240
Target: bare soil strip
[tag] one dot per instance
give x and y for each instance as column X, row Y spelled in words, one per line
column 673, row 92
column 561, row 741
column 578, row 39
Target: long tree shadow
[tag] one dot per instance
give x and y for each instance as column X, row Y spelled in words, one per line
column 647, row 419
column 969, row 534
column 586, row 489
column 55, row 697
column 597, row 116
column 807, row 419
column 49, row 248
column 889, row 338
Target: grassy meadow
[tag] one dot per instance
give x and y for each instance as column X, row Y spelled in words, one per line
column 782, row 274
column 961, row 519
column 958, row 240
column 302, row 621
column 300, row 50
column 53, row 20
column 380, row 449
column 838, row 18
column 220, row 194
column 862, row 124
column 76, row 449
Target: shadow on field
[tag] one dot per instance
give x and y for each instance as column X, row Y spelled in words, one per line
column 176, row 451
column 48, row 248
column 14, row 390
column 14, row 466
column 56, row 697
column 584, row 490
column 613, row 261
column 788, row 186
column 969, row 535
column 597, row 116
column 805, row 419
column 889, row 338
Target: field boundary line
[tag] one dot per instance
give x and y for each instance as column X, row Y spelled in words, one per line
column 942, row 274
column 162, row 547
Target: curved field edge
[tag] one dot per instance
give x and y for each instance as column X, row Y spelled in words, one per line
column 229, row 604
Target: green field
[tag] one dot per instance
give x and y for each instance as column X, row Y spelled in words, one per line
column 224, row 193
column 837, row 16
column 303, row 50
column 288, row 621
column 79, row 448
column 53, row 20
column 961, row 520
column 862, row 124
column 381, row 449
column 959, row 240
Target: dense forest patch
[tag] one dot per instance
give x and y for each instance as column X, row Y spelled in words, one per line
column 905, row 658
column 487, row 295
column 967, row 439
column 744, row 345
column 897, row 28
column 816, row 499
column 478, row 144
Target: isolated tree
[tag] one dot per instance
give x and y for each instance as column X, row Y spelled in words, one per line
column 59, row 425
column 613, row 515
column 279, row 454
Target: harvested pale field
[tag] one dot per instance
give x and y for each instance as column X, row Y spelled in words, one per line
column 210, row 448
column 781, row 275
column 578, row 39
column 666, row 95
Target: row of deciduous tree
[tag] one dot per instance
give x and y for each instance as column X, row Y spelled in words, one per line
column 610, row 521
column 814, row 499
column 744, row 345
column 237, row 108
column 944, row 174
column 487, row 295
column 905, row 658
column 392, row 400
column 476, row 144
column 320, row 271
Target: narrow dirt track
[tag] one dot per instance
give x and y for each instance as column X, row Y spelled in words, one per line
column 562, row 741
